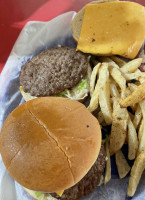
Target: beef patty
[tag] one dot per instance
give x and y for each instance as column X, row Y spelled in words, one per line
column 53, row 70
column 89, row 182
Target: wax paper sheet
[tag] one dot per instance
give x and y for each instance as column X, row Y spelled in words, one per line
column 35, row 37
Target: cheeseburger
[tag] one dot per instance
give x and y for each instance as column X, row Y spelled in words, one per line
column 60, row 71
column 52, row 147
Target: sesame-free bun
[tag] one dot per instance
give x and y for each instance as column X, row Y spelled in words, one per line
column 48, row 144
column 78, row 20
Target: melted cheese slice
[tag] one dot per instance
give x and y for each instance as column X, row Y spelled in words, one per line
column 113, row 28
column 60, row 193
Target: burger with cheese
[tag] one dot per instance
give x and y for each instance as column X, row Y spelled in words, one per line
column 52, row 147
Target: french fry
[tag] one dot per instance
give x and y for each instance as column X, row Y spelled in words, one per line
column 132, row 87
column 108, row 60
column 93, row 78
column 117, row 76
column 114, row 90
column 131, row 66
column 115, row 94
column 119, row 123
column 89, row 72
column 120, row 113
column 108, row 164
column 104, row 93
column 127, row 92
column 136, row 172
column 141, row 139
column 137, row 117
column 100, row 117
column 134, row 76
column 140, row 131
column 94, row 102
column 120, row 62
column 135, row 97
column 142, row 106
column 122, row 164
column 119, row 126
column 118, row 135
column 141, row 79
column 140, row 74
column 132, row 141
column 131, row 76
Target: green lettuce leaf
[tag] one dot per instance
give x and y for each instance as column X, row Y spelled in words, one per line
column 78, row 88
column 82, row 85
column 39, row 195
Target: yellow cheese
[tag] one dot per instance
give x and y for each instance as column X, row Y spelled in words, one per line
column 60, row 193
column 113, row 28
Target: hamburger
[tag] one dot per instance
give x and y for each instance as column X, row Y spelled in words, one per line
column 110, row 27
column 60, row 71
column 55, row 145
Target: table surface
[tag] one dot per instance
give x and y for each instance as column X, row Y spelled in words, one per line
column 14, row 14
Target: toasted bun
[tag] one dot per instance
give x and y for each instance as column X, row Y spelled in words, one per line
column 78, row 19
column 48, row 144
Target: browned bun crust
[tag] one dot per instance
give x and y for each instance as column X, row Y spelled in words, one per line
column 78, row 20
column 48, row 144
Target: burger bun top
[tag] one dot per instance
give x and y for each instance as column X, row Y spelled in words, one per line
column 48, row 144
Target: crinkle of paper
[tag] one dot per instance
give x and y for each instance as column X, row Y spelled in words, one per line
column 35, row 37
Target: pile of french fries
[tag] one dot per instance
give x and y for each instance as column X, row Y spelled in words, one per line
column 117, row 90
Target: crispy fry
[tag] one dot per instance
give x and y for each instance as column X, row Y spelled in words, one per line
column 115, row 94
column 137, row 96
column 127, row 92
column 137, row 117
column 136, row 172
column 118, row 135
column 122, row 165
column 119, row 126
column 108, row 164
column 120, row 62
column 132, row 141
column 94, row 100
column 120, row 113
column 113, row 89
column 140, row 131
column 142, row 106
column 93, row 78
column 117, row 76
column 116, row 91
column 100, row 117
column 131, row 66
column 141, row 139
column 134, row 76
column 141, row 79
column 104, row 93
column 132, row 87
column 108, row 60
